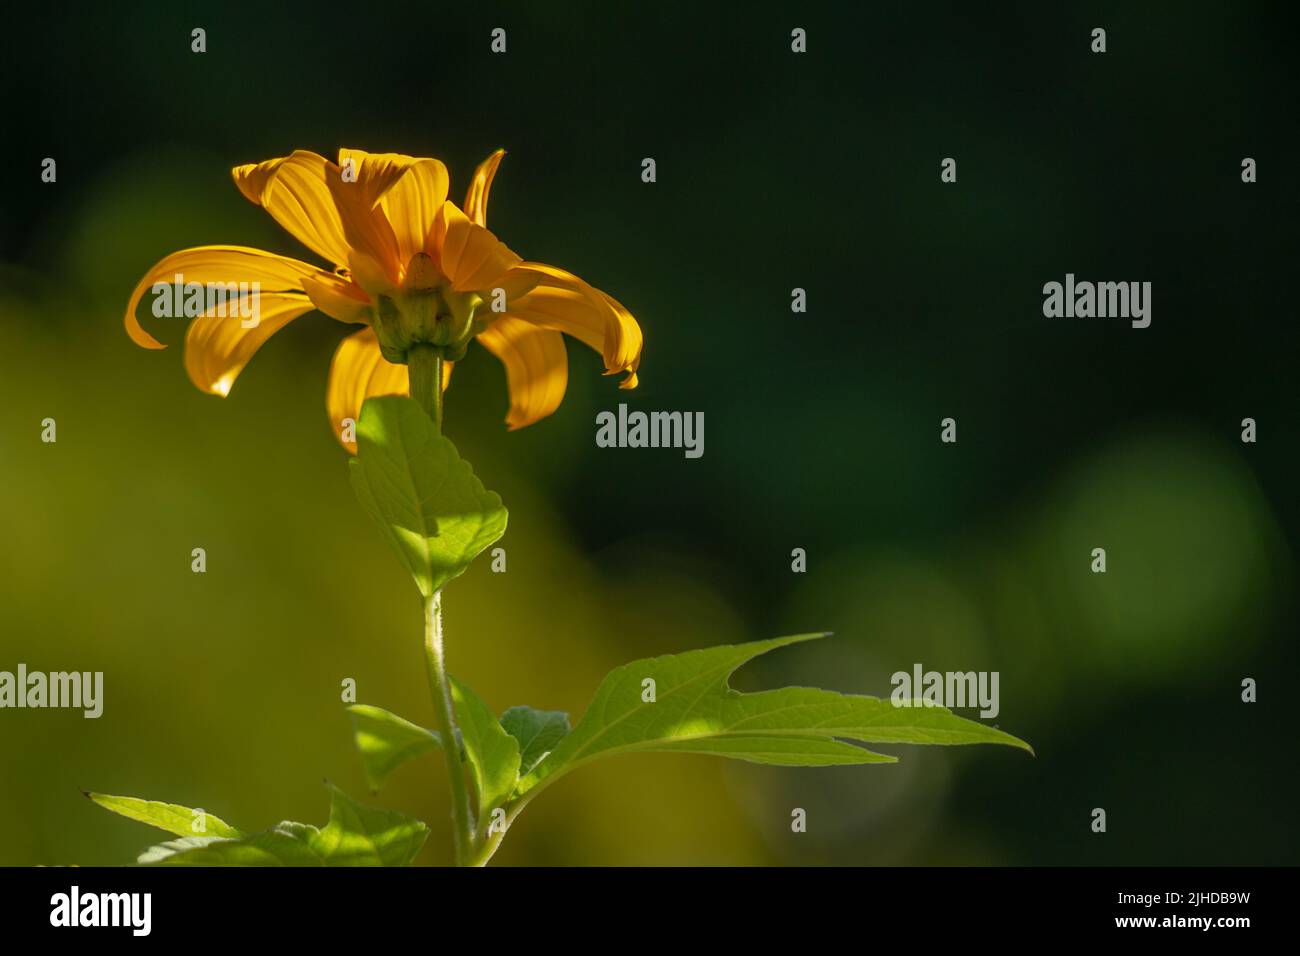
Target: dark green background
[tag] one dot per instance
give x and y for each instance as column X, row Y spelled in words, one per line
column 775, row 170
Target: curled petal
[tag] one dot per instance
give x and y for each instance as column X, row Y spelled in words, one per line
column 470, row 256
column 359, row 372
column 409, row 192
column 335, row 218
column 537, row 368
column 560, row 301
column 625, row 355
column 373, row 173
column 217, row 347
column 295, row 191
column 476, row 197
column 218, row 264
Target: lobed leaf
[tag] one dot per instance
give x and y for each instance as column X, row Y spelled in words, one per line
column 694, row 710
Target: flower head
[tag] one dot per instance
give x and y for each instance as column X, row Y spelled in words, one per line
column 410, row 265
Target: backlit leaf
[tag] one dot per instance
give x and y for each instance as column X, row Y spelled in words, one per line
column 167, row 816
column 694, row 710
column 354, row 836
column 492, row 753
column 431, row 508
column 385, row 741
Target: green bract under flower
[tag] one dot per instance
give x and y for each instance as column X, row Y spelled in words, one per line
column 425, row 311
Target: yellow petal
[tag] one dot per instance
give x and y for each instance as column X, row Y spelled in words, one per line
column 623, row 354
column 470, row 256
column 373, row 278
column 251, row 178
column 537, row 368
column 517, row 282
column 337, row 297
column 295, row 191
column 224, row 264
column 359, row 372
column 369, row 235
column 218, row 347
column 476, row 197
column 375, row 173
column 563, row 302
column 408, row 190
column 412, row 204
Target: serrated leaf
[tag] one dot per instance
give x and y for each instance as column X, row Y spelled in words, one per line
column 385, row 741
column 282, row 845
column 493, row 754
column 429, row 505
column 166, row 816
column 355, row 836
column 538, row 731
column 160, row 852
column 695, row 710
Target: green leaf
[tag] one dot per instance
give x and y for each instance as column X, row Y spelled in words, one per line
column 166, row 816
column 493, row 754
column 385, row 741
column 694, row 710
column 538, row 731
column 431, row 508
column 282, row 845
column 364, row 836
column 792, row 751
column 354, row 836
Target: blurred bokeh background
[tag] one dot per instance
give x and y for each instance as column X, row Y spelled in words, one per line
column 818, row 171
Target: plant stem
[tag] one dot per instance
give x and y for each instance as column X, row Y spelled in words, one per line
column 485, row 850
column 491, row 841
column 444, row 716
column 424, row 365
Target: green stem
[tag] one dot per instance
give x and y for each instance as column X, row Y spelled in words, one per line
column 485, row 850
column 491, row 842
column 424, row 364
column 444, row 716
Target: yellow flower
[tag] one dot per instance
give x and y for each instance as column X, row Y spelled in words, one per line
column 410, row 265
